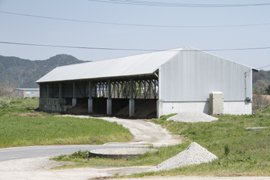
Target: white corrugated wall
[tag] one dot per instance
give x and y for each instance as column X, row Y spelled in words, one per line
column 192, row 75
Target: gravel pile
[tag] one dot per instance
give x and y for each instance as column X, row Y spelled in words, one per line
column 192, row 116
column 194, row 154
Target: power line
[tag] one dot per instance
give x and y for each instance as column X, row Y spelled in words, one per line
column 132, row 24
column 263, row 66
column 124, row 49
column 166, row 4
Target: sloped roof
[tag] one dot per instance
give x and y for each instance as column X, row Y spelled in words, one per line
column 143, row 64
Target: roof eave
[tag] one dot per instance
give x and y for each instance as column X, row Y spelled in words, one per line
column 147, row 75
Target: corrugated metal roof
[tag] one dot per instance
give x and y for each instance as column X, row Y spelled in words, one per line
column 143, row 64
column 126, row 66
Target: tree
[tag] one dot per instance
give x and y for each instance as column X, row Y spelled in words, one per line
column 6, row 89
column 267, row 89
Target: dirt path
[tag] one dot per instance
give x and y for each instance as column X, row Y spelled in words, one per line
column 144, row 132
column 38, row 168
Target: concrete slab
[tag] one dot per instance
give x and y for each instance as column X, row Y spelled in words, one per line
column 120, row 153
column 255, row 128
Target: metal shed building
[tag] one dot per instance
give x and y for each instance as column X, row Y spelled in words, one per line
column 27, row 92
column 174, row 80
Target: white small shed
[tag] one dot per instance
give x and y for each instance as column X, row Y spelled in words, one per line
column 27, row 92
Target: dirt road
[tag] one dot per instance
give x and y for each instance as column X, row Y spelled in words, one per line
column 146, row 133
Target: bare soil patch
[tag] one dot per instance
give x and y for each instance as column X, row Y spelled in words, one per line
column 28, row 115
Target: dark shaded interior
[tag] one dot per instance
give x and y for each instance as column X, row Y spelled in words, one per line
column 144, row 108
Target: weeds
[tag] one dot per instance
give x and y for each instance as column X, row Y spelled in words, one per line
column 81, row 154
column 10, row 106
column 226, row 150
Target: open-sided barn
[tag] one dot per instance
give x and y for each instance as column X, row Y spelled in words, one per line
column 164, row 82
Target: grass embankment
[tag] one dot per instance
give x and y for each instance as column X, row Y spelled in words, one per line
column 240, row 152
column 20, row 126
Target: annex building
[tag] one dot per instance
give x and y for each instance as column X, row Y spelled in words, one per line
column 149, row 85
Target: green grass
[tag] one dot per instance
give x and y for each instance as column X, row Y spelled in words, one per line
column 27, row 131
column 143, row 160
column 10, row 106
column 49, row 130
column 239, row 152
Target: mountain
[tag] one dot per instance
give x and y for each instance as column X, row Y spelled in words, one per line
column 23, row 73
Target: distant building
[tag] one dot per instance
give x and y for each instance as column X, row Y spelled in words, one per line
column 27, row 92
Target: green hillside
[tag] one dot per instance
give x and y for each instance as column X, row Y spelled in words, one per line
column 23, row 73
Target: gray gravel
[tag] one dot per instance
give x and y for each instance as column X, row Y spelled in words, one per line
column 192, row 116
column 194, row 154
column 39, row 168
column 30, row 164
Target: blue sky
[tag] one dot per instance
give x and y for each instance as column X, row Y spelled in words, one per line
column 23, row 29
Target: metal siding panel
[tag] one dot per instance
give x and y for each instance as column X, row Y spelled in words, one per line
column 192, row 75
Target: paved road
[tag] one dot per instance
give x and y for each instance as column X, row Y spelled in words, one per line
column 49, row 151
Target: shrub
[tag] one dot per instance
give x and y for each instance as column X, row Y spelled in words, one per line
column 226, row 150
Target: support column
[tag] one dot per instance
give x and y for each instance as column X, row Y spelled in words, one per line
column 74, row 100
column 131, row 100
column 48, row 90
column 159, row 108
column 40, row 94
column 90, row 100
column 109, row 100
column 60, row 90
column 160, row 97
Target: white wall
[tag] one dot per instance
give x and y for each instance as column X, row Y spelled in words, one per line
column 186, row 80
column 236, row 108
column 191, row 75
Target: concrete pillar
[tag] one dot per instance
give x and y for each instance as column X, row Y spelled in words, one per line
column 90, row 100
column 60, row 90
column 109, row 100
column 131, row 100
column 74, row 100
column 159, row 108
column 160, row 98
column 48, row 90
